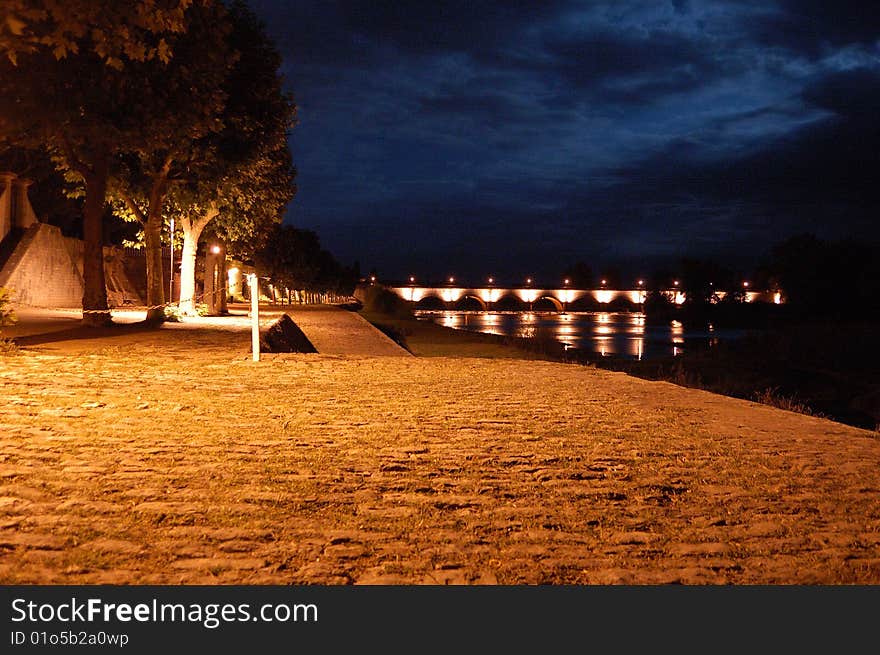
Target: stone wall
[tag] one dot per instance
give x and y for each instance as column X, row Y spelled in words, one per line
column 45, row 270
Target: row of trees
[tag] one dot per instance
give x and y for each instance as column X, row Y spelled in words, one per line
column 156, row 109
column 294, row 258
column 701, row 277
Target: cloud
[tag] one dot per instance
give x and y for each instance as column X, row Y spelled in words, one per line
column 462, row 133
column 813, row 27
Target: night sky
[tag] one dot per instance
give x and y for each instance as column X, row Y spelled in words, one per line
column 516, row 138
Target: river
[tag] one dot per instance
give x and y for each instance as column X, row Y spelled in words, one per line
column 610, row 334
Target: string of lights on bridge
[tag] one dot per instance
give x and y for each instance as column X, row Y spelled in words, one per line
column 529, row 281
column 452, row 291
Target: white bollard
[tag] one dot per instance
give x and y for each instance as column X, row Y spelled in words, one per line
column 255, row 315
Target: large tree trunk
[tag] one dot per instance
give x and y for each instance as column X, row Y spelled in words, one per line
column 188, row 271
column 155, row 276
column 96, row 311
column 192, row 229
column 152, row 223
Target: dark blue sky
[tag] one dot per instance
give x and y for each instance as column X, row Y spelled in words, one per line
column 516, row 138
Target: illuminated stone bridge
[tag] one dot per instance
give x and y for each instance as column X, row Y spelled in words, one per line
column 490, row 298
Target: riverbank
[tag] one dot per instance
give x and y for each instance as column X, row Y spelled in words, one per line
column 817, row 368
column 822, row 369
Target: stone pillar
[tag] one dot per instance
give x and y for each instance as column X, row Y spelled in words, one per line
column 6, row 192
column 223, row 283
column 215, row 279
column 210, row 293
column 24, row 213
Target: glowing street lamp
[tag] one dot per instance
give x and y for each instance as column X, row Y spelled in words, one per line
column 491, row 280
column 675, row 283
column 567, row 281
column 745, row 284
column 412, row 279
column 372, row 278
column 641, row 283
column 215, row 249
column 604, row 282
column 451, row 280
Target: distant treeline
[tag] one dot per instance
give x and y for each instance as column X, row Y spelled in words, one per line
column 815, row 278
column 294, row 258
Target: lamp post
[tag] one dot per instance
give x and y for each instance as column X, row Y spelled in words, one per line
column 255, row 315
column 171, row 273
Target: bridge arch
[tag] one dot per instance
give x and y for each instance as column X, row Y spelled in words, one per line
column 584, row 303
column 510, row 302
column 469, row 299
column 430, row 302
column 555, row 302
column 621, row 303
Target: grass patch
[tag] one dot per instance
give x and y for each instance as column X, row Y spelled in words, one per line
column 772, row 397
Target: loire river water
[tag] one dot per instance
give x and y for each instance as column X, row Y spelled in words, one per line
column 609, row 334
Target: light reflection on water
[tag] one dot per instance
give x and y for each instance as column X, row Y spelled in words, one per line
column 619, row 334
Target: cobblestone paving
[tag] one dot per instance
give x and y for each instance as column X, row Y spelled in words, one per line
column 166, row 463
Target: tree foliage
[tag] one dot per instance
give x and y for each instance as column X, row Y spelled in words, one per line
column 240, row 177
column 179, row 109
column 702, row 279
column 63, row 87
column 294, row 258
column 114, row 30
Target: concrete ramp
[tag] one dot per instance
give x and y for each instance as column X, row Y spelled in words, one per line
column 336, row 331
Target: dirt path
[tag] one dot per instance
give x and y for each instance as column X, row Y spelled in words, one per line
column 175, row 459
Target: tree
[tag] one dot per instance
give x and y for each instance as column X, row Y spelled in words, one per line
column 76, row 111
column 66, row 85
column 291, row 257
column 243, row 176
column 294, row 258
column 701, row 280
column 179, row 111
